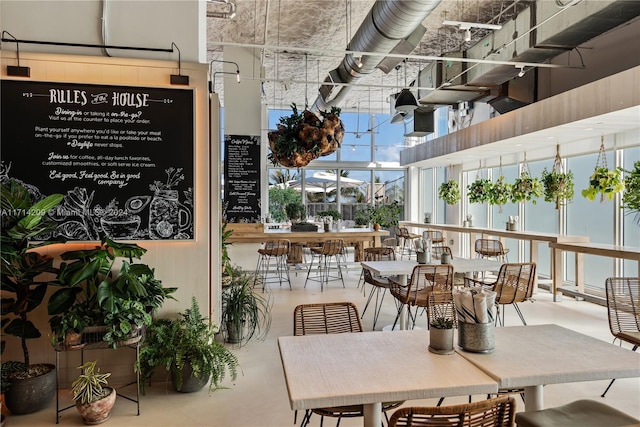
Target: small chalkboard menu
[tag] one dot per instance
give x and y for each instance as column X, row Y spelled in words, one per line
column 242, row 178
column 122, row 157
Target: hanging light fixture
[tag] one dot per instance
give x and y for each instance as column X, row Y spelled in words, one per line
column 406, row 102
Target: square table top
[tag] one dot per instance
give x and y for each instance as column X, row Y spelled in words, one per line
column 370, row 367
column 390, row 268
column 550, row 354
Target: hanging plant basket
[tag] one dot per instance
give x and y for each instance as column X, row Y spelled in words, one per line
column 526, row 188
column 631, row 195
column 301, row 138
column 479, row 191
column 500, row 192
column 558, row 185
column 604, row 181
column 450, row 192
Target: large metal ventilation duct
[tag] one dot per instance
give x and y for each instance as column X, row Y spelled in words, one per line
column 387, row 24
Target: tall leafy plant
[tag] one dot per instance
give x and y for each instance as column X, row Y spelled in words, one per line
column 24, row 217
column 631, row 195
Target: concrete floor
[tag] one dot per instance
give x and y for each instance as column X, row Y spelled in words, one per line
column 258, row 398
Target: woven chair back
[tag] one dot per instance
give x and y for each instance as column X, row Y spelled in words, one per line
column 424, row 279
column 332, row 247
column 441, row 305
column 437, row 251
column 496, row 412
column 434, row 235
column 623, row 308
column 326, row 318
column 515, row 282
column 278, row 247
column 489, row 247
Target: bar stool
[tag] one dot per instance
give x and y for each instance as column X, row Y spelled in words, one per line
column 435, row 236
column 330, row 249
column 377, row 283
column 273, row 250
column 407, row 237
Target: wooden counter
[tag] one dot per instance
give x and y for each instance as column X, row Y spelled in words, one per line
column 533, row 237
column 255, row 233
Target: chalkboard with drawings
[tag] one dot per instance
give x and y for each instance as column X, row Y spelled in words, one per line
column 123, row 157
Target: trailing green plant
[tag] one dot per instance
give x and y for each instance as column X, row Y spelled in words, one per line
column 442, row 323
column 479, row 190
column 92, row 294
column 526, row 189
column 245, row 311
column 189, row 339
column 24, row 216
column 604, row 182
column 90, row 385
column 500, row 192
column 631, row 195
column 449, row 191
column 558, row 187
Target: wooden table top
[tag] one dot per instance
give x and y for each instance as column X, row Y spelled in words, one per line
column 370, row 367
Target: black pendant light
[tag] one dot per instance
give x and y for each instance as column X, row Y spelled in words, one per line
column 406, row 102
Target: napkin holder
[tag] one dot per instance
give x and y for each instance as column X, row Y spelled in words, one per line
column 476, row 337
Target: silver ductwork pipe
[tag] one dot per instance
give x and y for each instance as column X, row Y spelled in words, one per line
column 387, row 24
column 230, row 13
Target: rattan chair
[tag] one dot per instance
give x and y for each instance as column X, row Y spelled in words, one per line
column 407, row 241
column 273, row 250
column 331, row 318
column 496, row 412
column 624, row 311
column 377, row 283
column 514, row 284
column 435, row 236
column 328, row 257
column 424, row 280
column 489, row 248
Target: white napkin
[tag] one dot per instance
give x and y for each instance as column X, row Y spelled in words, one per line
column 475, row 305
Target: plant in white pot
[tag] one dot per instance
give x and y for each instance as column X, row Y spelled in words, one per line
column 94, row 399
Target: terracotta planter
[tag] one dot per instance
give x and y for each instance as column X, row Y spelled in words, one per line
column 376, row 227
column 97, row 411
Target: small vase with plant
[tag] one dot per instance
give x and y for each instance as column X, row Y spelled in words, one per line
column 187, row 348
column 441, row 335
column 94, row 399
column 245, row 314
column 328, row 216
column 24, row 285
column 449, row 191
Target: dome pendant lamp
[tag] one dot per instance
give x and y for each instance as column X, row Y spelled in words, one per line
column 406, row 102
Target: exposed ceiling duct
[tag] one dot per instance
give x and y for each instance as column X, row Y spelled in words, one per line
column 387, row 25
column 228, row 9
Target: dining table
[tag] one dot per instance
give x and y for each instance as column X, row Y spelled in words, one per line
column 532, row 356
column 369, row 368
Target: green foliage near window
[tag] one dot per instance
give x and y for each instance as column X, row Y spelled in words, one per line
column 188, row 339
column 296, row 211
column 631, row 195
column 449, row 191
column 558, row 187
column 604, row 182
column 479, row 190
column 329, row 215
column 362, row 217
column 500, row 192
column 278, row 199
column 387, row 215
column 526, row 189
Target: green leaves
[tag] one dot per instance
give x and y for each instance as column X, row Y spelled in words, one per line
column 605, row 182
column 479, row 190
column 449, row 191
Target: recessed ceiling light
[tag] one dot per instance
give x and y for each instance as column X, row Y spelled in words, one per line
column 588, row 129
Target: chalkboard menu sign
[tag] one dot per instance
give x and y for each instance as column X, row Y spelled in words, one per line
column 242, row 178
column 121, row 156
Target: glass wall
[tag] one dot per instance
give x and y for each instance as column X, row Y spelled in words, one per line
column 631, row 220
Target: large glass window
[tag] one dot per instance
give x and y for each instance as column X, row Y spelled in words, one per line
column 631, row 220
column 502, row 214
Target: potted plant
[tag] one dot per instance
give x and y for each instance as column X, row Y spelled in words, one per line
column 441, row 335
column 526, row 189
column 385, row 215
column 300, row 138
column 479, row 190
column 187, row 348
column 427, row 217
column 107, row 306
column 362, row 218
column 297, row 214
column 605, row 182
column 25, row 216
column 558, row 185
column 450, row 192
column 500, row 193
column 631, row 195
column 245, row 314
column 328, row 216
column 94, row 399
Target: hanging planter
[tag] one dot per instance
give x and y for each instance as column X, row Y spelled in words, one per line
column 479, row 191
column 500, row 192
column 558, row 185
column 604, row 181
column 631, row 195
column 526, row 188
column 301, row 138
column 450, row 192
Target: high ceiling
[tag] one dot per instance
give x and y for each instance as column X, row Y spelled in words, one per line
column 301, row 41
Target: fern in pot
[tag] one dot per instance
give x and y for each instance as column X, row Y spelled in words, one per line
column 187, row 348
